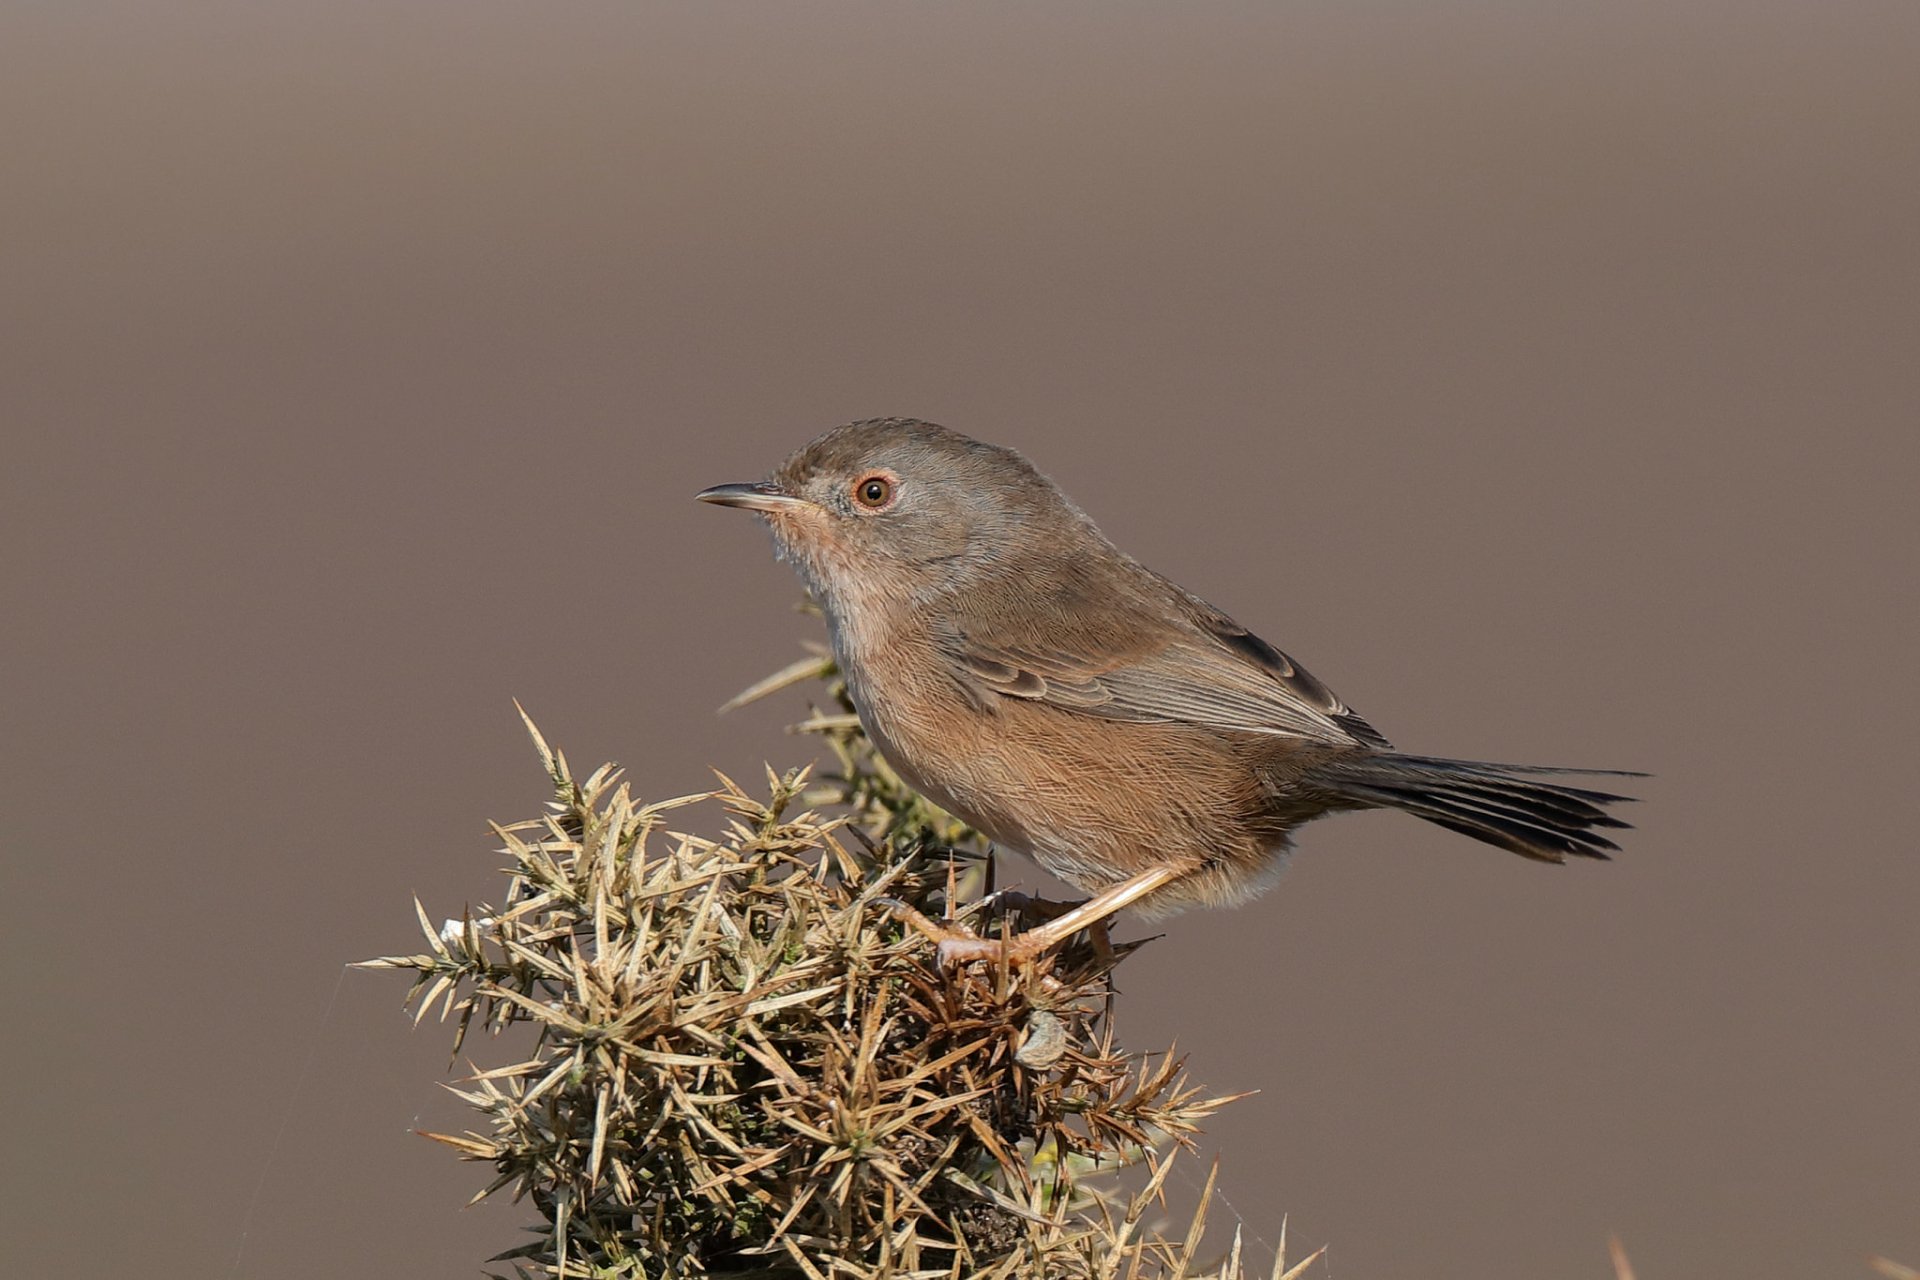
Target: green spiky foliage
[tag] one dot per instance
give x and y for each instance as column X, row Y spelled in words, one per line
column 739, row 1062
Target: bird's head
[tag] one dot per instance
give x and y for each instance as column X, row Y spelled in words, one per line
column 902, row 508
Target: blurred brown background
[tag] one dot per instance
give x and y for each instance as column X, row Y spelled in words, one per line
column 1542, row 376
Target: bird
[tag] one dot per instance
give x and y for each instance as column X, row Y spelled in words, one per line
column 1029, row 677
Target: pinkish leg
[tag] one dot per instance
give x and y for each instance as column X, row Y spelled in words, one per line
column 960, row 945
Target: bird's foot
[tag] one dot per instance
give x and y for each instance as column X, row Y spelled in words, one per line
column 956, row 944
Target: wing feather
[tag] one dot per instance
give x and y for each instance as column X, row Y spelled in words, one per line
column 1198, row 667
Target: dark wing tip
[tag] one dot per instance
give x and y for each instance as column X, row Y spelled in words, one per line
column 1298, row 680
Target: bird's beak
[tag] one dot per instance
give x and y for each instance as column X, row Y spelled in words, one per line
column 763, row 496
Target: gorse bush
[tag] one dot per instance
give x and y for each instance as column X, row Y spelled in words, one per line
column 739, row 1062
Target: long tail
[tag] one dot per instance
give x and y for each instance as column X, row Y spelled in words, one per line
column 1503, row 804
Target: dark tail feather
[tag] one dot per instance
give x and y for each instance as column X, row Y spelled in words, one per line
column 1503, row 804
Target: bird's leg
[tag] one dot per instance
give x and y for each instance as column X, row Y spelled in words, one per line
column 1028, row 907
column 960, row 945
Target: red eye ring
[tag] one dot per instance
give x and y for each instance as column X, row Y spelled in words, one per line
column 873, row 491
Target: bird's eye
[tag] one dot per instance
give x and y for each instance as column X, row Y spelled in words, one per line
column 873, row 492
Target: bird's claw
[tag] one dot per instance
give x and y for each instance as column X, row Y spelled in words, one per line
column 955, row 944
